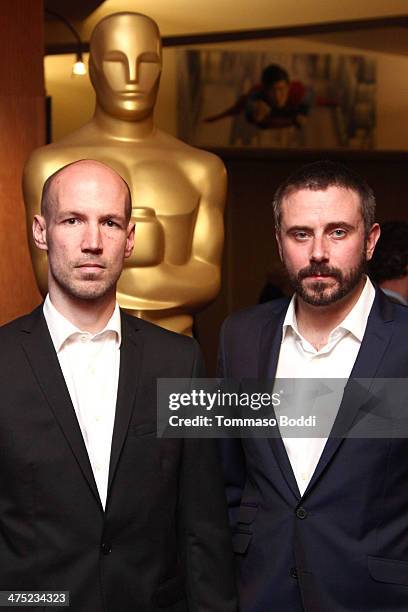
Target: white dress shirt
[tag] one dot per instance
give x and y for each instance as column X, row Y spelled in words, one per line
column 90, row 365
column 299, row 359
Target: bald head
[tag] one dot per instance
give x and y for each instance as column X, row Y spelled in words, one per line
column 85, row 229
column 84, row 171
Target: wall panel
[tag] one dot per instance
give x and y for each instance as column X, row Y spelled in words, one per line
column 21, row 130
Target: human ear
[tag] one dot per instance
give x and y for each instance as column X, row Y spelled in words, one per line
column 130, row 239
column 372, row 238
column 40, row 232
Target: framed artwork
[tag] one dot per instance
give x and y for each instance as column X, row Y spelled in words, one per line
column 263, row 99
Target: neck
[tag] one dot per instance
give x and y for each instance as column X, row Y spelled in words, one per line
column 399, row 285
column 88, row 315
column 319, row 321
column 121, row 129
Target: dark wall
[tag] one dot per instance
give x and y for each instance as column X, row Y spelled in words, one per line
column 250, row 248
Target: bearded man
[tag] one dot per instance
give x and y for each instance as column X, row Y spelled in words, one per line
column 320, row 523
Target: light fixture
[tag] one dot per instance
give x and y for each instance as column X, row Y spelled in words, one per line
column 78, row 67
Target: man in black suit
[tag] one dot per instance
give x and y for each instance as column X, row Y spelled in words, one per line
column 320, row 524
column 91, row 501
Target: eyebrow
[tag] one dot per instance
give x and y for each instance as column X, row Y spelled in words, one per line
column 84, row 214
column 329, row 226
column 68, row 213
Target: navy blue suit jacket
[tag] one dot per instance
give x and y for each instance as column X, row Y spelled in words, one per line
column 343, row 545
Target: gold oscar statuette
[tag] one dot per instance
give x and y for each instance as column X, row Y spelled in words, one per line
column 178, row 191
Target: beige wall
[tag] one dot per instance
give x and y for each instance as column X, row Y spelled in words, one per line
column 73, row 98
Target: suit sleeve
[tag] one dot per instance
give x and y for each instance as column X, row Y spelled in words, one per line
column 207, row 548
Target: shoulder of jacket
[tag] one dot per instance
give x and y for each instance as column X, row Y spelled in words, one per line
column 256, row 316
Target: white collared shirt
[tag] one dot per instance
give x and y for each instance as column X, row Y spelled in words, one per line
column 299, row 359
column 90, row 365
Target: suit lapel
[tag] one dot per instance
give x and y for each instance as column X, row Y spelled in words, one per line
column 269, row 345
column 270, row 342
column 376, row 339
column 43, row 359
column 129, row 373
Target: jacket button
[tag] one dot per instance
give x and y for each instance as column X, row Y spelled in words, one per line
column 106, row 548
column 293, row 573
column 301, row 513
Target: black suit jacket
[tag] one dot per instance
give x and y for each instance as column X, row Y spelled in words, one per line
column 343, row 545
column 163, row 541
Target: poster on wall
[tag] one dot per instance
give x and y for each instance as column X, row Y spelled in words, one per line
column 255, row 99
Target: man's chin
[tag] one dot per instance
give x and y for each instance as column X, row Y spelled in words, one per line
column 88, row 290
column 319, row 293
column 318, row 298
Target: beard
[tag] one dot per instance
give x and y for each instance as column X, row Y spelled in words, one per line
column 321, row 293
column 87, row 286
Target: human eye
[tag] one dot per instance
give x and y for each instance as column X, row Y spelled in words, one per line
column 300, row 235
column 338, row 233
column 110, row 223
column 71, row 221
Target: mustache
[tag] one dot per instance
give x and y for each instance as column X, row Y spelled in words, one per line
column 320, row 269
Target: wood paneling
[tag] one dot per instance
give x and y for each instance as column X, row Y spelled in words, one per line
column 21, row 130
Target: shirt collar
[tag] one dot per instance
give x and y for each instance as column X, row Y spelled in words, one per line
column 290, row 321
column 355, row 322
column 61, row 329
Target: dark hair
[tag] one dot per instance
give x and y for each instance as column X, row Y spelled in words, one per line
column 272, row 74
column 320, row 175
column 46, row 191
column 390, row 258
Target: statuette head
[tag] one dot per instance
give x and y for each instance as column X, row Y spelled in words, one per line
column 125, row 65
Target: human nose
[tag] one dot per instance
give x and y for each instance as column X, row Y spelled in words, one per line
column 92, row 239
column 319, row 249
